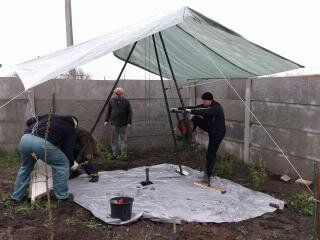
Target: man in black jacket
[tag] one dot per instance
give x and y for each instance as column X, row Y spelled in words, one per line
column 209, row 116
column 119, row 114
column 59, row 152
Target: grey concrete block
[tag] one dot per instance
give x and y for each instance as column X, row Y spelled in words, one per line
column 10, row 87
column 301, row 117
column 231, row 147
column 74, row 89
column 16, row 111
column 221, row 89
column 235, row 130
column 296, row 143
column 287, row 90
column 313, row 90
column 11, row 132
column 277, row 164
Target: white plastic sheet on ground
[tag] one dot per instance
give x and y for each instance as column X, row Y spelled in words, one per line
column 171, row 196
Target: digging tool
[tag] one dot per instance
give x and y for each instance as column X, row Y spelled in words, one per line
column 147, row 181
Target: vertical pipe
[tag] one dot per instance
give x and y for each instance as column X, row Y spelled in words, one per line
column 68, row 16
column 69, row 30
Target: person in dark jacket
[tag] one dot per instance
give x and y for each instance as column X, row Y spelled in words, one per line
column 84, row 153
column 119, row 114
column 209, row 116
column 59, row 152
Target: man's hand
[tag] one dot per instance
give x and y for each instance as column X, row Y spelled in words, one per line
column 105, row 123
column 129, row 125
column 89, row 156
column 75, row 166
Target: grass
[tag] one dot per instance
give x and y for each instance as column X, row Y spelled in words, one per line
column 93, row 224
column 302, row 205
column 226, row 167
column 258, row 175
column 9, row 158
column 104, row 152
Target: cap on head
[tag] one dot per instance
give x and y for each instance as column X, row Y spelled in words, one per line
column 119, row 90
column 207, row 96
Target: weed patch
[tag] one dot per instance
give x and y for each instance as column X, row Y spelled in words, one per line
column 301, row 204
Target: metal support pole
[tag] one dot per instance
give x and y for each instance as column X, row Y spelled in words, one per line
column 176, row 85
column 108, row 99
column 69, row 30
column 164, row 93
column 113, row 88
column 166, row 101
column 247, row 123
column 171, row 70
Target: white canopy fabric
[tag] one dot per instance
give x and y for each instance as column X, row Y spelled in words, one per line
column 198, row 47
column 300, row 72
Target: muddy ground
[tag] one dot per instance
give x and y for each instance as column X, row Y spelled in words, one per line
column 25, row 221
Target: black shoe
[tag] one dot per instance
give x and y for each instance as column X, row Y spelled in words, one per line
column 94, row 178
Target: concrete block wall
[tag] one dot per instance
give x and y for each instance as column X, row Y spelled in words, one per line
column 289, row 108
column 85, row 99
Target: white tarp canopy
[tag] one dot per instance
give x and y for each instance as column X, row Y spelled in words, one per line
column 300, row 72
column 198, row 47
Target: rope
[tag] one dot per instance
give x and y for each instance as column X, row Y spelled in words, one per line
column 10, row 100
column 265, row 130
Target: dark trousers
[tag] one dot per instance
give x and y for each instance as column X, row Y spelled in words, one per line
column 215, row 140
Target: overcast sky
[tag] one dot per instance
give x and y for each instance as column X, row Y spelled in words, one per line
column 32, row 28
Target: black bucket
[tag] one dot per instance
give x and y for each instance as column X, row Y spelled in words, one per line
column 121, row 207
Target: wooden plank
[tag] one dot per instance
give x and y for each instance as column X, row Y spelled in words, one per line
column 212, row 187
column 38, row 180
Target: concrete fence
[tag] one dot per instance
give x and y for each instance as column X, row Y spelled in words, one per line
column 288, row 108
column 85, row 99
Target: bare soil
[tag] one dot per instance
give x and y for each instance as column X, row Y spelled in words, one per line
column 24, row 221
